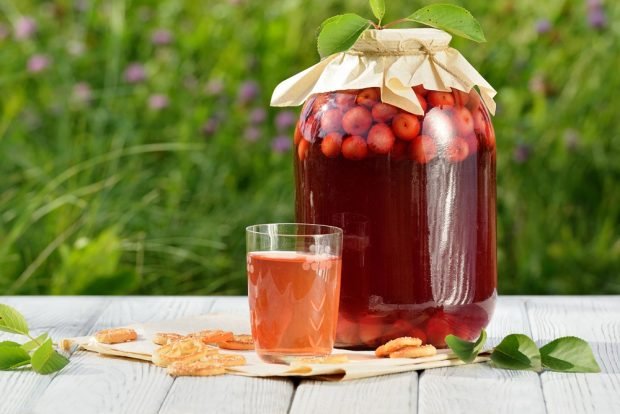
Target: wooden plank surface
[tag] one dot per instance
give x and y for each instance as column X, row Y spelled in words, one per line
column 384, row 394
column 61, row 317
column 96, row 384
column 597, row 320
column 467, row 389
column 229, row 394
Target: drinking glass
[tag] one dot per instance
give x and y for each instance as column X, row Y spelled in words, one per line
column 293, row 288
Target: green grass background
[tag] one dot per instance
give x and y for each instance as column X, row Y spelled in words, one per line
column 111, row 197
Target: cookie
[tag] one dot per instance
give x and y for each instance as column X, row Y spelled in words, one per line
column 184, row 350
column 164, row 338
column 396, row 344
column 238, row 343
column 116, row 335
column 195, row 369
column 414, row 352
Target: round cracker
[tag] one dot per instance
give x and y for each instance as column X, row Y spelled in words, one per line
column 396, row 344
column 414, row 352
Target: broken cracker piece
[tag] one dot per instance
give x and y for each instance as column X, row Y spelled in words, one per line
column 195, row 369
column 212, row 336
column 238, row 343
column 116, row 335
column 184, row 350
column 165, row 338
column 225, row 360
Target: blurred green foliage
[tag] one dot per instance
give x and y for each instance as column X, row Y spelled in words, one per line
column 121, row 181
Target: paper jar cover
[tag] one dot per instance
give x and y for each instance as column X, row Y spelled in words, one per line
column 393, row 60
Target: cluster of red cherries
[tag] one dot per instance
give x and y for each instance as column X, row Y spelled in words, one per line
column 431, row 326
column 356, row 125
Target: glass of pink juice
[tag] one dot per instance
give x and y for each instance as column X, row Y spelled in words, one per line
column 293, row 288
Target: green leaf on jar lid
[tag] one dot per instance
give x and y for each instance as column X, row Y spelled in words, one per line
column 339, row 33
column 450, row 18
column 378, row 8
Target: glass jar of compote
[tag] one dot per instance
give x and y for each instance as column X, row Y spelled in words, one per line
column 415, row 195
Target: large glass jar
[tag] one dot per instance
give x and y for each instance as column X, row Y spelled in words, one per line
column 415, row 196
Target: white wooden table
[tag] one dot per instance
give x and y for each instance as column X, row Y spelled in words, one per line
column 94, row 384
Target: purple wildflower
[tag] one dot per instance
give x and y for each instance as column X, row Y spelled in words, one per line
column 214, row 87
column 543, row 26
column 82, row 93
column 25, row 28
column 134, row 73
column 522, row 153
column 258, row 116
column 597, row 18
column 158, row 101
column 285, row 120
column 281, row 144
column 38, row 63
column 248, row 91
column 161, row 37
column 210, row 127
column 252, row 134
column 594, row 3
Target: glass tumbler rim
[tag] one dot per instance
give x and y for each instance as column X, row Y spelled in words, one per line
column 261, row 229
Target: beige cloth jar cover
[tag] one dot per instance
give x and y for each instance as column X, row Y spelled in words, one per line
column 393, row 60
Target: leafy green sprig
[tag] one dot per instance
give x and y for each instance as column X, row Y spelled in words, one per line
column 339, row 33
column 38, row 353
column 519, row 352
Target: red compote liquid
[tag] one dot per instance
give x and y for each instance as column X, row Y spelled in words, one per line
column 415, row 196
column 293, row 302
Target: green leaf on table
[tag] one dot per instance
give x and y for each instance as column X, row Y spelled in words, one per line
column 36, row 342
column 378, row 8
column 12, row 356
column 452, row 19
column 569, row 354
column 517, row 351
column 465, row 350
column 12, row 321
column 45, row 360
column 339, row 33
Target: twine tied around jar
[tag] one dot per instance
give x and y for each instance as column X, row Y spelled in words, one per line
column 393, row 60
